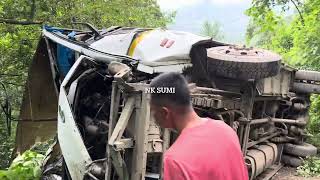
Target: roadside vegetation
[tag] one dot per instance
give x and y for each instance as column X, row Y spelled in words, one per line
column 26, row 166
column 310, row 167
column 212, row 29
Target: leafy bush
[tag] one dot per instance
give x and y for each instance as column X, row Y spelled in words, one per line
column 314, row 139
column 310, row 167
column 24, row 167
column 6, row 146
column 314, row 122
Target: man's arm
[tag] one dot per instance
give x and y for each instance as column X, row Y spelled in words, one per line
column 173, row 170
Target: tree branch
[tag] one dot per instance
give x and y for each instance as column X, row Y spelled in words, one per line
column 4, row 74
column 10, row 83
column 33, row 9
column 17, row 22
column 294, row 3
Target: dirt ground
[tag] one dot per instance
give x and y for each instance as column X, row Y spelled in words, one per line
column 287, row 173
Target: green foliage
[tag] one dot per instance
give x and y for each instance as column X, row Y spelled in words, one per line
column 212, row 29
column 314, row 139
column 295, row 39
column 6, row 146
column 314, row 112
column 24, row 167
column 101, row 13
column 310, row 167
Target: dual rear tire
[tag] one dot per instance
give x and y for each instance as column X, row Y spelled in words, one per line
column 294, row 154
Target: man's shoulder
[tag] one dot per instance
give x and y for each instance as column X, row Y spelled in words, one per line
column 178, row 150
column 172, row 152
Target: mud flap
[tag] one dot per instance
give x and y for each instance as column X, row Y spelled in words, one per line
column 38, row 112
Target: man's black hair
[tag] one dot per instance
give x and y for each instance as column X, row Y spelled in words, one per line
column 181, row 95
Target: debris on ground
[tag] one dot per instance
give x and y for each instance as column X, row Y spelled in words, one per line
column 289, row 173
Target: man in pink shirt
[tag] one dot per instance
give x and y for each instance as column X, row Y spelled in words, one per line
column 206, row 149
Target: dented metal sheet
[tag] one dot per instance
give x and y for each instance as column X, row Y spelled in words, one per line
column 74, row 152
column 38, row 111
column 150, row 45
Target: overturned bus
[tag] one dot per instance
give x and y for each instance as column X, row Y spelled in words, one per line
column 89, row 87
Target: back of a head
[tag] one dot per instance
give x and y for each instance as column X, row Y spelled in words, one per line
column 170, row 89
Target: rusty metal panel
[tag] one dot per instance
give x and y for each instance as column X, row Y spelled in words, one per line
column 122, row 122
column 261, row 158
column 114, row 109
column 142, row 122
column 155, row 143
column 276, row 85
column 38, row 111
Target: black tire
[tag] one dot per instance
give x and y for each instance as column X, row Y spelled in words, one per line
column 243, row 64
column 306, row 88
column 307, row 75
column 302, row 150
column 291, row 160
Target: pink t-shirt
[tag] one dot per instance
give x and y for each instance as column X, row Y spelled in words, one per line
column 209, row 151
